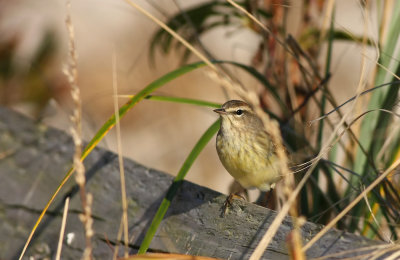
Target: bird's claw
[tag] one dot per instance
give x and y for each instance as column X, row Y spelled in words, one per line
column 229, row 202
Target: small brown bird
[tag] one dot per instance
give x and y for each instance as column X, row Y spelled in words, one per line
column 244, row 147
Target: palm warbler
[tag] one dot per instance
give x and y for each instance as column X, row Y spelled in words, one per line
column 245, row 148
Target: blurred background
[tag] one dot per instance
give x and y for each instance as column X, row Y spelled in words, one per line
column 313, row 57
column 34, row 46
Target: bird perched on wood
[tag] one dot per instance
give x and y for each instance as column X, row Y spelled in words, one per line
column 244, row 147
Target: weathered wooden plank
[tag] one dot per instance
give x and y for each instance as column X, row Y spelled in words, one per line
column 34, row 160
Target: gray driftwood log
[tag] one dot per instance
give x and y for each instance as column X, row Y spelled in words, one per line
column 34, row 159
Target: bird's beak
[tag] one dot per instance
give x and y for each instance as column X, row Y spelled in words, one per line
column 220, row 111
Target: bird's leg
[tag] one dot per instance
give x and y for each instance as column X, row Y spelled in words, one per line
column 266, row 198
column 240, row 193
column 269, row 196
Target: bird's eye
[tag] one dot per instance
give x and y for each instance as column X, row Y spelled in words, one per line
column 239, row 112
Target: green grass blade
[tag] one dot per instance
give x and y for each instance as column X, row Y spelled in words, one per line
column 382, row 98
column 136, row 98
column 260, row 77
column 205, row 138
column 190, row 101
column 316, row 198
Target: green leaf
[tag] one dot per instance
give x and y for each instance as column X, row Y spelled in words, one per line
column 205, row 138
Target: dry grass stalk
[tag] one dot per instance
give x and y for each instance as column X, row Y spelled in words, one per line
column 62, row 230
column 174, row 34
column 119, row 235
column 327, row 18
column 374, row 218
column 378, row 254
column 294, row 243
column 342, row 254
column 71, row 73
column 120, row 159
column 388, row 7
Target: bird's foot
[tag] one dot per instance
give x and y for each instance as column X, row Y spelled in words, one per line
column 229, row 202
